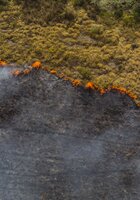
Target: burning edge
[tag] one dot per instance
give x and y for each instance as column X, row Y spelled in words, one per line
column 75, row 82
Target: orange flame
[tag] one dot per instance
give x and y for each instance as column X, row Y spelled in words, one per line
column 2, row 63
column 120, row 89
column 76, row 82
column 102, row 91
column 16, row 73
column 53, row 71
column 90, row 85
column 26, row 71
column 37, row 65
column 124, row 91
column 133, row 96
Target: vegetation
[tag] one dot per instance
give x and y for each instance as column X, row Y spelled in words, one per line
column 79, row 38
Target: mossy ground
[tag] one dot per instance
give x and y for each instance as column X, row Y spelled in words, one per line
column 104, row 51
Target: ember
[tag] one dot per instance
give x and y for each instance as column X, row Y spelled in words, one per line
column 26, row 71
column 53, row 72
column 76, row 82
column 120, row 89
column 2, row 63
column 90, row 85
column 37, row 65
column 133, row 96
column 16, row 73
column 124, row 91
column 103, row 91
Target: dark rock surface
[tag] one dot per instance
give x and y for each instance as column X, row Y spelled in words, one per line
column 58, row 142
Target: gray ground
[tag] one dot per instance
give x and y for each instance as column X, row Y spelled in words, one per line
column 58, row 142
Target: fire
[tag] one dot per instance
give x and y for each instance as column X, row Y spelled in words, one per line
column 37, row 65
column 133, row 96
column 53, row 71
column 76, row 82
column 102, row 91
column 16, row 73
column 90, row 85
column 26, row 71
column 124, row 91
column 120, row 89
column 2, row 63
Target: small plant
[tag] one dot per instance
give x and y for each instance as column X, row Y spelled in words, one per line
column 69, row 14
column 128, row 19
column 136, row 11
column 3, row 3
column 84, row 72
column 96, row 31
column 79, row 2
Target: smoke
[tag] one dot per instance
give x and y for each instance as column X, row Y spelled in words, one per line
column 5, row 73
column 81, row 160
column 7, row 83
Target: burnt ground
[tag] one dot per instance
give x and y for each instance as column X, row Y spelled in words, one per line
column 58, row 142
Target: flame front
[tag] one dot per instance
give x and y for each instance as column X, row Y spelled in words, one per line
column 16, row 72
column 37, row 65
column 2, row 63
column 90, row 85
column 76, row 82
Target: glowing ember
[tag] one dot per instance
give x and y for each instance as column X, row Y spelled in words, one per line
column 26, row 71
column 53, row 72
column 37, row 65
column 89, row 85
column 76, row 82
column 133, row 96
column 102, row 91
column 120, row 89
column 16, row 73
column 2, row 63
